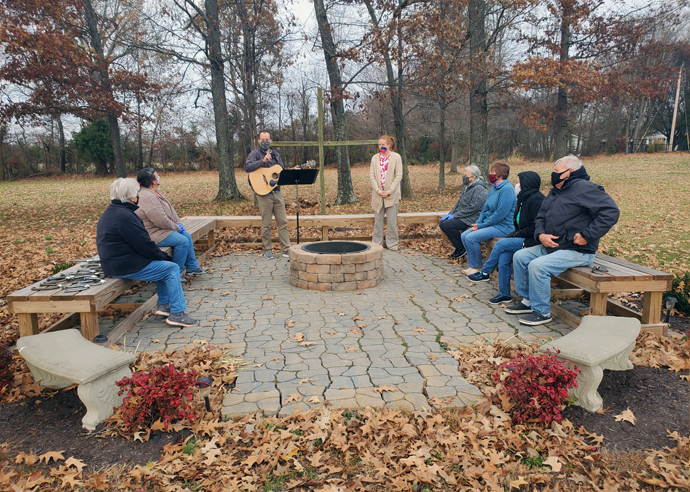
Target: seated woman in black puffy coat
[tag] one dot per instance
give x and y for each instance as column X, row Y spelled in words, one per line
column 528, row 204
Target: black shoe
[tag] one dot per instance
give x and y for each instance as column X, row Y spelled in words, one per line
column 479, row 277
column 198, row 271
column 499, row 299
column 535, row 319
column 458, row 253
column 518, row 308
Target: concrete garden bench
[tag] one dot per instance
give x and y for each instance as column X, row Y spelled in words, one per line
column 63, row 358
column 600, row 342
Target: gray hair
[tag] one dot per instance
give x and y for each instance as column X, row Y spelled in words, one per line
column 570, row 162
column 474, row 171
column 123, row 189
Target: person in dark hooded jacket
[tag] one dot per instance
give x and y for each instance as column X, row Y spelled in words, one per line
column 574, row 216
column 529, row 202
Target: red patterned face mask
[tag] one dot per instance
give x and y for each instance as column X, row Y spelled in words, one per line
column 492, row 178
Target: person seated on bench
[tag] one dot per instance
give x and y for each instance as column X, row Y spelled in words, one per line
column 495, row 219
column 466, row 209
column 529, row 201
column 127, row 251
column 163, row 224
column 574, row 216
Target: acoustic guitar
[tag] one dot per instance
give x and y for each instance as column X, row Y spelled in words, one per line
column 265, row 179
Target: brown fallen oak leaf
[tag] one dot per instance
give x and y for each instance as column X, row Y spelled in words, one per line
column 553, row 462
column 357, row 318
column 267, row 298
column 432, row 357
column 290, row 324
column 435, row 401
column 516, row 484
column 628, row 416
column 381, row 317
column 293, row 398
column 361, row 326
column 341, row 314
column 51, row 455
column 331, row 333
column 419, row 330
column 351, row 348
column 78, row 464
column 226, row 293
column 381, row 389
column 314, row 399
column 307, row 344
column 306, row 380
column 355, row 331
column 299, row 337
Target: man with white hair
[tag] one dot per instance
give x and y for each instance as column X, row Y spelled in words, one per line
column 574, row 216
column 127, row 251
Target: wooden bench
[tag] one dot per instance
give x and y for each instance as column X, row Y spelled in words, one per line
column 64, row 358
column 329, row 221
column 599, row 343
column 615, row 276
column 84, row 306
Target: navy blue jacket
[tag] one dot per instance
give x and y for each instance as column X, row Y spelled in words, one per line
column 123, row 244
column 579, row 206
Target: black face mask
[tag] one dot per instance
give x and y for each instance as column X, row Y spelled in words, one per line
column 465, row 180
column 556, row 178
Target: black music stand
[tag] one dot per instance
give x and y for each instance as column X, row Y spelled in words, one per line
column 297, row 177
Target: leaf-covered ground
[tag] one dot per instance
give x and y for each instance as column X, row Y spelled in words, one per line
column 366, row 449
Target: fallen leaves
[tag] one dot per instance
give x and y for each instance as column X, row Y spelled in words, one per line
column 627, row 416
column 293, row 398
column 383, row 389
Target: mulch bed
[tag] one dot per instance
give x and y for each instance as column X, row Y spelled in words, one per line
column 657, row 397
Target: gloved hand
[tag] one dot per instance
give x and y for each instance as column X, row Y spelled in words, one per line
column 449, row 216
column 182, row 229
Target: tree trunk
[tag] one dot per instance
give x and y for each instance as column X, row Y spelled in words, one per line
column 227, row 186
column 61, row 137
column 101, row 75
column 562, row 137
column 454, row 154
column 396, row 86
column 442, row 149
column 4, row 175
column 140, row 144
column 479, row 112
column 642, row 114
column 346, row 192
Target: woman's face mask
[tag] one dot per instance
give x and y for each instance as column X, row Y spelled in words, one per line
column 492, row 178
column 466, row 180
column 383, row 148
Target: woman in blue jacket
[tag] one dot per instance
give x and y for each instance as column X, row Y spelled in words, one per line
column 496, row 219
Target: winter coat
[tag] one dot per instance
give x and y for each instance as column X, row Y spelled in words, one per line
column 579, row 206
column 158, row 216
column 469, row 205
column 529, row 202
column 393, row 179
column 499, row 209
column 123, row 244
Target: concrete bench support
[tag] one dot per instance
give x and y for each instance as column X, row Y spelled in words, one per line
column 600, row 342
column 63, row 358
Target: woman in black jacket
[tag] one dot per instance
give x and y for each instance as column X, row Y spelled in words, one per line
column 528, row 204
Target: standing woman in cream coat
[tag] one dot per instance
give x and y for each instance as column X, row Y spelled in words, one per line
column 385, row 175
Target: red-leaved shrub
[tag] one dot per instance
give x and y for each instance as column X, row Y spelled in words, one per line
column 161, row 393
column 537, row 384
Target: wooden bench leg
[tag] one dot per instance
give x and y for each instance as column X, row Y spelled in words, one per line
column 89, row 325
column 651, row 308
column 211, row 238
column 324, row 233
column 597, row 304
column 28, row 324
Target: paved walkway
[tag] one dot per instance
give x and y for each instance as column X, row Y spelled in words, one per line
column 304, row 347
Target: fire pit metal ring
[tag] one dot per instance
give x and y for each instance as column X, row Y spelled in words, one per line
column 335, row 247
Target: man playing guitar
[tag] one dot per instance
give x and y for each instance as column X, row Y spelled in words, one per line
column 271, row 204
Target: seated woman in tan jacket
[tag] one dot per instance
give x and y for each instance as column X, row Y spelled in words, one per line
column 385, row 175
column 163, row 224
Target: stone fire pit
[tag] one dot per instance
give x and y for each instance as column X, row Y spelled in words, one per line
column 336, row 265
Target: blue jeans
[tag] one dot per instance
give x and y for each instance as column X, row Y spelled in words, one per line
column 471, row 240
column 183, row 250
column 502, row 255
column 167, row 278
column 534, row 268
